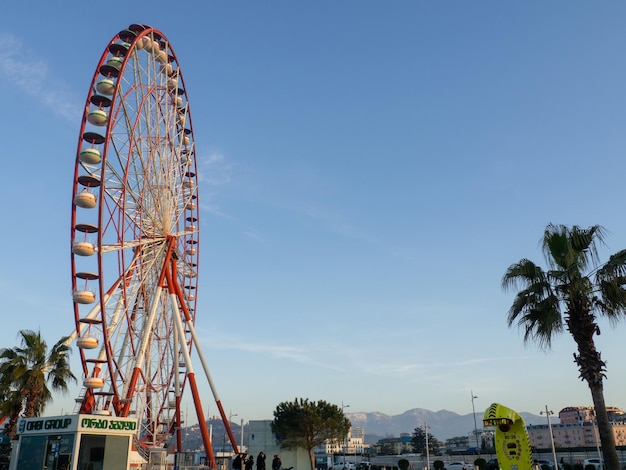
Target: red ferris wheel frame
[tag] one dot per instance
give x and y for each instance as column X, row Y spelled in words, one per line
column 135, row 241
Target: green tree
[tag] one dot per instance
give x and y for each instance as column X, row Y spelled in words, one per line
column 418, row 442
column 26, row 371
column 403, row 464
column 11, row 404
column 480, row 464
column 574, row 290
column 306, row 425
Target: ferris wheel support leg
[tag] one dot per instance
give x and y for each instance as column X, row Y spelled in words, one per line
column 123, row 409
column 204, row 431
column 203, row 361
column 177, row 399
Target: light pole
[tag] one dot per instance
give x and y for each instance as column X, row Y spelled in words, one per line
column 242, row 433
column 345, row 440
column 230, row 421
column 426, row 428
column 548, row 413
column 594, row 421
column 475, row 428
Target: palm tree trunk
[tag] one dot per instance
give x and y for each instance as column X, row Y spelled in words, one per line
column 312, row 458
column 607, row 438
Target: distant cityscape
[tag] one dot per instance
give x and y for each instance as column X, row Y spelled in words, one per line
column 375, row 433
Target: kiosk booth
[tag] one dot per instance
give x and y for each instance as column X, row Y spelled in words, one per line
column 74, row 442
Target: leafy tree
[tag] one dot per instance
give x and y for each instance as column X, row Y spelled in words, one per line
column 11, row 404
column 403, row 464
column 570, row 295
column 418, row 442
column 480, row 464
column 25, row 373
column 304, row 424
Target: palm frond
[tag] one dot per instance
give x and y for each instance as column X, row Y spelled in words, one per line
column 572, row 248
column 523, row 273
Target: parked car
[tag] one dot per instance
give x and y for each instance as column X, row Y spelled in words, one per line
column 459, row 466
column 492, row 465
column 597, row 463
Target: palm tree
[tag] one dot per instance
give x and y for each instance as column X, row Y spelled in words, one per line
column 570, row 295
column 26, row 371
column 11, row 404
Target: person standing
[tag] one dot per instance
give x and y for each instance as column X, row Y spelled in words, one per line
column 276, row 463
column 249, row 463
column 238, row 462
column 260, row 461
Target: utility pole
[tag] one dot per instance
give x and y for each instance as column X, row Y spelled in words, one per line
column 426, row 428
column 475, row 428
column 548, row 413
column 345, row 440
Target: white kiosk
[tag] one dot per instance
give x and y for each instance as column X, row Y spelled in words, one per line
column 74, row 442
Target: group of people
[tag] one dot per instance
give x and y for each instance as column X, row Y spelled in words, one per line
column 246, row 462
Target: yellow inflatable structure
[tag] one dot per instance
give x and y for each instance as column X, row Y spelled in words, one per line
column 511, row 439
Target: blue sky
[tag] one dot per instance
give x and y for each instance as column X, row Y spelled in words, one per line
column 368, row 171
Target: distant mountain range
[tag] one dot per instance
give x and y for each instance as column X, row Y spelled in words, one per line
column 442, row 424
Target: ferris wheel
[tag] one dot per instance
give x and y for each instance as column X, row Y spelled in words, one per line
column 135, row 239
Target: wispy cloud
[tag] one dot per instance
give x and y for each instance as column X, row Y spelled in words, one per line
column 31, row 76
column 226, row 341
column 214, row 169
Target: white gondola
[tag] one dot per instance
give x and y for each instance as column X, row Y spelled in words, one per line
column 167, row 69
column 186, row 140
column 87, row 342
column 98, row 117
column 172, row 83
column 146, row 44
column 106, row 86
column 90, row 156
column 93, row 382
column 161, row 57
column 115, row 62
column 177, row 100
column 191, row 205
column 191, row 251
column 83, row 248
column 188, row 184
column 84, row 297
column 85, row 199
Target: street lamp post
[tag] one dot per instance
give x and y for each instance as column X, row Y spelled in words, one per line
column 594, row 421
column 475, row 428
column 345, row 440
column 230, row 421
column 548, row 413
column 426, row 428
column 242, row 434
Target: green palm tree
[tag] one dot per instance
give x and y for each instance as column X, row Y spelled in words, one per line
column 11, row 404
column 28, row 369
column 570, row 295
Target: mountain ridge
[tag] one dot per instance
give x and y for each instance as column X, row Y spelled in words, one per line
column 442, row 424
